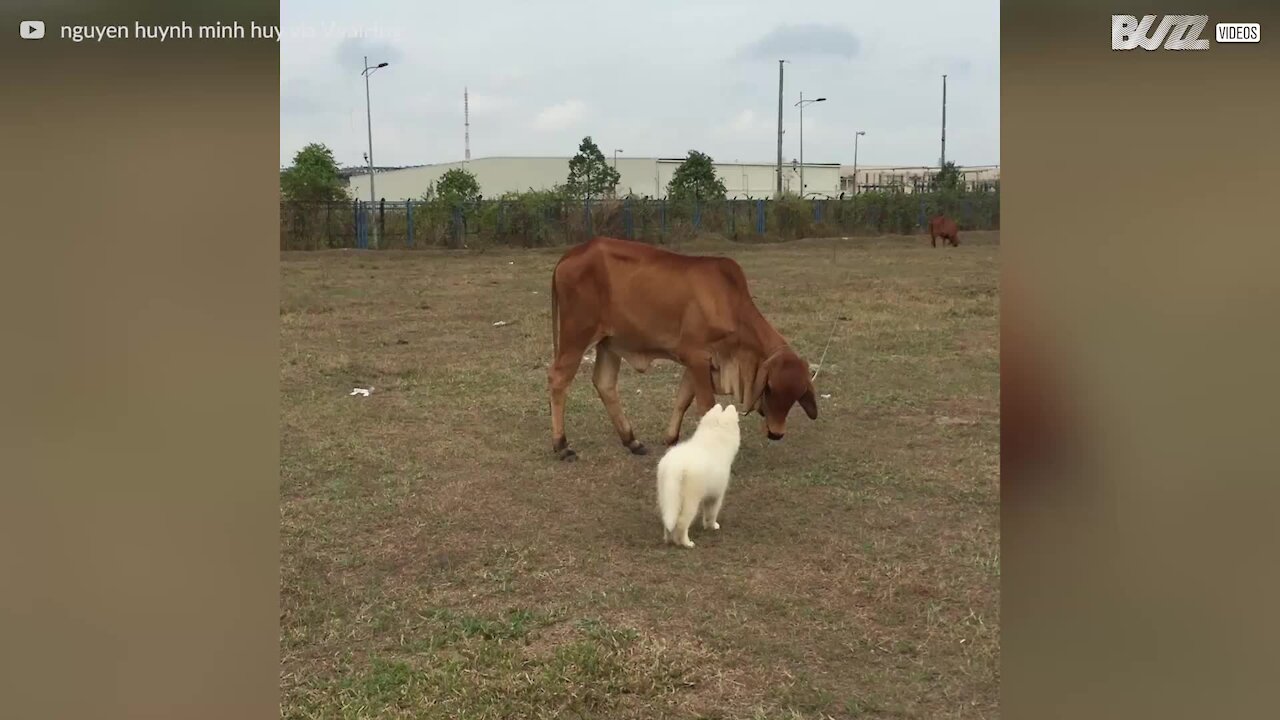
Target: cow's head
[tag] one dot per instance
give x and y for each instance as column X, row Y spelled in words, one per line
column 781, row 381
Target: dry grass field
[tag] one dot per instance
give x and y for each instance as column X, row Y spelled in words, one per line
column 438, row 562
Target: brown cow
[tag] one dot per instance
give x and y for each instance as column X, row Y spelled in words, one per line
column 639, row 303
column 945, row 228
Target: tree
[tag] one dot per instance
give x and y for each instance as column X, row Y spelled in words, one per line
column 458, row 185
column 696, row 179
column 589, row 174
column 948, row 177
column 313, row 177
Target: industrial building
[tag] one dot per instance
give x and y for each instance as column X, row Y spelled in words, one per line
column 910, row 178
column 643, row 177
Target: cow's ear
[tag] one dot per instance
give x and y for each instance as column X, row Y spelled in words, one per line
column 756, row 398
column 810, row 404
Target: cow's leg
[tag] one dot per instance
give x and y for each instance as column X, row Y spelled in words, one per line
column 684, row 398
column 699, row 367
column 605, row 378
column 561, row 373
column 933, row 239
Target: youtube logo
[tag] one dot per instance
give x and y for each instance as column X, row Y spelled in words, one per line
column 31, row 29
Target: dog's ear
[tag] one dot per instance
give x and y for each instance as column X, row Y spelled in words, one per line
column 809, row 403
column 730, row 410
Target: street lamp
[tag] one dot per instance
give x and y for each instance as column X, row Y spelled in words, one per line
column 615, row 169
column 856, row 135
column 369, row 117
column 801, row 105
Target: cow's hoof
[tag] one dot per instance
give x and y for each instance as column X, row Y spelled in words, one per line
column 567, row 455
column 638, row 448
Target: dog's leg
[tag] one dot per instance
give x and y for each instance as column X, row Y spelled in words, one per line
column 688, row 510
column 710, row 511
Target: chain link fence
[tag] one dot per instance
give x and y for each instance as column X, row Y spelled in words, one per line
column 542, row 219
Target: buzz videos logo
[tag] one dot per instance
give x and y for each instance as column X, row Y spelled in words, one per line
column 1176, row 32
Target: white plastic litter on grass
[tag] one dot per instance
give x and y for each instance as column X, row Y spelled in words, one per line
column 363, row 392
column 500, row 323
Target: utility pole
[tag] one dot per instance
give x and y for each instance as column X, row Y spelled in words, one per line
column 778, row 193
column 944, row 123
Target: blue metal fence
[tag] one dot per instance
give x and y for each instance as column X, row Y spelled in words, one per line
column 525, row 222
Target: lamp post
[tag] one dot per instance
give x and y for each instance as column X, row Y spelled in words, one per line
column 801, row 105
column 856, row 135
column 614, row 192
column 369, row 118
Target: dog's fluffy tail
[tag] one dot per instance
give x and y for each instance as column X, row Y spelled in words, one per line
column 669, row 494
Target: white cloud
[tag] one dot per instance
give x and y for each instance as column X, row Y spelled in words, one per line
column 485, row 103
column 747, row 124
column 807, row 40
column 539, row 93
column 352, row 51
column 744, row 122
column 560, row 116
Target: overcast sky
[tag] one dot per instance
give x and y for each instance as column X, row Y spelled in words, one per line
column 656, row 78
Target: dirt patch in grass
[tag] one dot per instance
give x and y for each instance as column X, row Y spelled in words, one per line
column 438, row 562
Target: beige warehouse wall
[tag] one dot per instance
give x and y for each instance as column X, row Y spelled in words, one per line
column 500, row 175
column 406, row 184
column 759, row 180
column 642, row 176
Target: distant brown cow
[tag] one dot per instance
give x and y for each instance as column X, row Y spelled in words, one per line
column 641, row 303
column 945, row 228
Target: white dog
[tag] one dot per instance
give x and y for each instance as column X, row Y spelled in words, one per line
column 695, row 474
